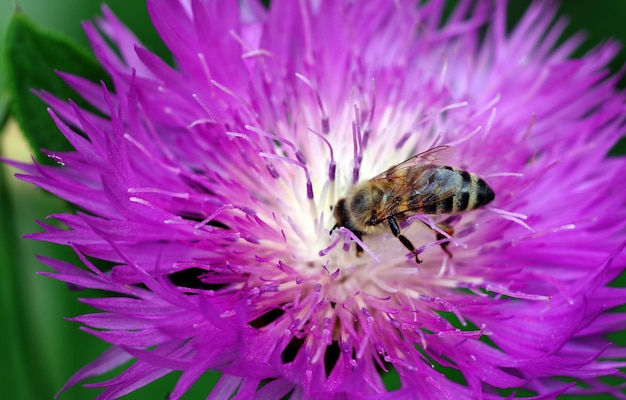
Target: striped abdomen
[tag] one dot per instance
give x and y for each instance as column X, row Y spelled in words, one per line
column 450, row 190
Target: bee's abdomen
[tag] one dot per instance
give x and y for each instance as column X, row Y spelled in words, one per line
column 471, row 192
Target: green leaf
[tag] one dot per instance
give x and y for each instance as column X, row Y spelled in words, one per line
column 13, row 364
column 32, row 56
column 5, row 11
column 4, row 94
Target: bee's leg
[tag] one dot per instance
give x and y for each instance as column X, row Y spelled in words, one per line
column 358, row 234
column 444, row 246
column 450, row 231
column 395, row 229
column 359, row 249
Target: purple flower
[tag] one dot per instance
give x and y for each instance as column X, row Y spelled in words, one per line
column 210, row 186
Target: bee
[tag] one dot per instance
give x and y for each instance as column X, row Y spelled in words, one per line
column 418, row 185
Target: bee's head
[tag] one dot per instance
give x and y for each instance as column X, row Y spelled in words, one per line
column 364, row 204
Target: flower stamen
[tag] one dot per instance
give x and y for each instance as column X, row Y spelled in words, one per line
column 332, row 167
column 324, row 116
column 511, row 216
column 309, row 184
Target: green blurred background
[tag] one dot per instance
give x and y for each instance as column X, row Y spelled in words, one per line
column 39, row 350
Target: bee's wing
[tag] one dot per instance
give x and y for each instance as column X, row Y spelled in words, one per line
column 435, row 155
column 412, row 187
column 431, row 193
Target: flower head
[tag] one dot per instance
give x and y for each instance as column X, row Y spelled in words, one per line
column 211, row 186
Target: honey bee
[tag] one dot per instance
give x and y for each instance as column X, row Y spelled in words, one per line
column 416, row 186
